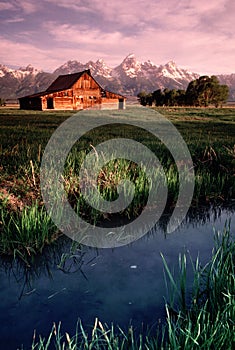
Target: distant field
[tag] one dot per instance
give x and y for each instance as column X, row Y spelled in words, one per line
column 203, row 124
column 218, row 123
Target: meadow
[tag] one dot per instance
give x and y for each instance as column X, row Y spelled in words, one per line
column 25, row 225
column 205, row 320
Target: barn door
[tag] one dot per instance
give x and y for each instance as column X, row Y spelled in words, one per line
column 50, row 103
column 121, row 103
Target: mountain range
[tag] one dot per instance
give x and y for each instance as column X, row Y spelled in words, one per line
column 128, row 78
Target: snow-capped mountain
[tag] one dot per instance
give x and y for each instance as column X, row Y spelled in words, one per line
column 135, row 76
column 133, row 69
column 129, row 67
column 25, row 80
column 170, row 70
column 98, row 68
column 129, row 77
column 20, row 73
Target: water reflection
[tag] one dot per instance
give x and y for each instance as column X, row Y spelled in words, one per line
column 119, row 285
column 70, row 257
column 64, row 255
column 200, row 216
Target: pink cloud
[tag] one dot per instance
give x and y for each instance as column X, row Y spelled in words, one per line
column 14, row 20
column 198, row 35
column 29, row 6
column 5, row 6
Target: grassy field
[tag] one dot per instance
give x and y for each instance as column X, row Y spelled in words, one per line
column 206, row 321
column 209, row 134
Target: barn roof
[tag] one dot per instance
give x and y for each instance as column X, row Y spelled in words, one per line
column 64, row 82
column 37, row 94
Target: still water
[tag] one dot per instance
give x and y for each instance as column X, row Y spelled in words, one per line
column 121, row 286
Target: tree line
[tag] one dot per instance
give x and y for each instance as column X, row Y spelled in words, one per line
column 200, row 92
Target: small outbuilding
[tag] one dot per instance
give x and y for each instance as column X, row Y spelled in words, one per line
column 73, row 92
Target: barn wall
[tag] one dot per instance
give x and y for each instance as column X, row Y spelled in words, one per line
column 77, row 102
column 109, row 103
column 114, row 100
column 31, row 103
column 61, row 100
column 44, row 103
column 86, row 84
column 85, row 93
column 63, row 103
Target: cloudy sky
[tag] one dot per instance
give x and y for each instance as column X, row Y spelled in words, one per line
column 197, row 34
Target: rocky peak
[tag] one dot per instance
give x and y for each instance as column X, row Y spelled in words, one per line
column 129, row 67
column 102, row 69
column 72, row 66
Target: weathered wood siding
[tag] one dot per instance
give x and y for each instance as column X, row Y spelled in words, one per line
column 59, row 100
column 109, row 103
column 84, row 93
column 113, row 101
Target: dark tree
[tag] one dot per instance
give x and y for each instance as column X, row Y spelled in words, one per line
column 142, row 98
column 180, row 97
column 203, row 91
column 145, row 98
column 206, row 90
column 158, row 97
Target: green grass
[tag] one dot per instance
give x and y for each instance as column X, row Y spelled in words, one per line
column 207, row 320
column 209, row 134
column 200, row 319
column 25, row 233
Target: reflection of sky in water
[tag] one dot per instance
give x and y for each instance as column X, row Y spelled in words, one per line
column 120, row 285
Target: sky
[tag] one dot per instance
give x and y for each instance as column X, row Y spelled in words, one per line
column 199, row 35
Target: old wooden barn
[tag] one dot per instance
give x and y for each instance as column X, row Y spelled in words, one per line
column 73, row 92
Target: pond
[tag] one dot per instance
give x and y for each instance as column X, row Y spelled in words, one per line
column 122, row 285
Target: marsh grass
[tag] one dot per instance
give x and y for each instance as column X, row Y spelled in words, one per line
column 25, row 233
column 108, row 179
column 202, row 318
column 206, row 321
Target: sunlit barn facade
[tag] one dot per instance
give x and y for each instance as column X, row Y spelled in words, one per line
column 73, row 92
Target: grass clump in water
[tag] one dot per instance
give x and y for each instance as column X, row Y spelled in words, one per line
column 25, row 233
